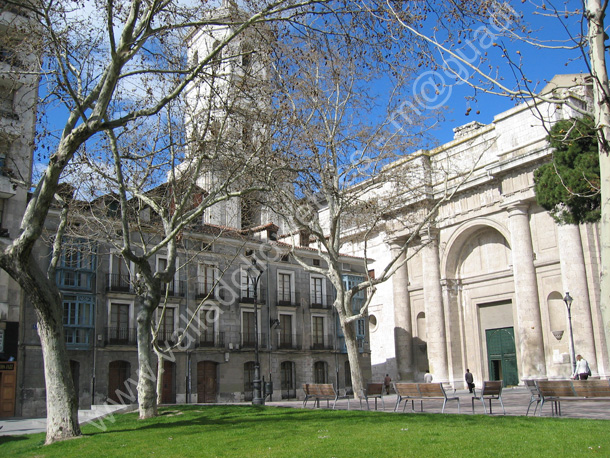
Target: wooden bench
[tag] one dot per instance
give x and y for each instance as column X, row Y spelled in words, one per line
column 556, row 391
column 420, row 392
column 324, row 391
column 375, row 391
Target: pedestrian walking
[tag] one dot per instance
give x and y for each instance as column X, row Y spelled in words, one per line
column 469, row 380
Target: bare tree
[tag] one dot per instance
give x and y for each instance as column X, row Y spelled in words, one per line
column 351, row 175
column 107, row 67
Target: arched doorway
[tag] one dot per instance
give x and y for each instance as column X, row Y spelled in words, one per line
column 207, row 381
column 248, row 380
column 347, row 375
column 168, row 393
column 288, row 381
column 118, row 374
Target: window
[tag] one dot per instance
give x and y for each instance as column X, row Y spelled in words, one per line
column 248, row 329
column 217, row 59
column 317, row 291
column 320, row 372
column 119, row 331
column 167, row 327
column 207, row 328
column 78, row 320
column 120, row 276
column 76, row 266
column 286, row 331
column 206, row 280
column 317, row 332
column 7, row 97
column 247, row 286
column 284, row 290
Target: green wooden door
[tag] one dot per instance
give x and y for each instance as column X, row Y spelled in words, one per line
column 502, row 355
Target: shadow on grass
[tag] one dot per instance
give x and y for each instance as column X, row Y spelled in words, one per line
column 231, row 415
column 6, row 439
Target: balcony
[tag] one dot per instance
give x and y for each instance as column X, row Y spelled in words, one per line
column 288, row 300
column 321, row 343
column 119, row 283
column 321, row 302
column 211, row 340
column 246, row 340
column 247, row 297
column 175, row 288
column 204, row 290
column 120, row 336
column 289, row 341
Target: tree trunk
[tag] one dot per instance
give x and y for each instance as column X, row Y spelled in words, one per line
column 601, row 109
column 147, row 393
column 352, row 355
column 62, row 404
column 160, row 371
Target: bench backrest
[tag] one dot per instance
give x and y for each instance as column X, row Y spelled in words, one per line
column 555, row 388
column 531, row 385
column 432, row 390
column 374, row 389
column 591, row 388
column 319, row 389
column 491, row 388
column 407, row 389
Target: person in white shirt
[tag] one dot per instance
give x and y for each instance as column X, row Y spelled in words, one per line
column 582, row 371
column 428, row 377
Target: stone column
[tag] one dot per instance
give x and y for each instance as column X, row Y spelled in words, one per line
column 435, row 315
column 403, row 330
column 574, row 280
column 529, row 324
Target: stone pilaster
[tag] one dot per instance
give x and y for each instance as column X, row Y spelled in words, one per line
column 403, row 329
column 530, row 343
column 435, row 315
column 574, row 280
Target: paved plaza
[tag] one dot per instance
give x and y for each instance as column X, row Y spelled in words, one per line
column 515, row 401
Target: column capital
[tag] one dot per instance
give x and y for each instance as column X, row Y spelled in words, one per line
column 429, row 234
column 518, row 208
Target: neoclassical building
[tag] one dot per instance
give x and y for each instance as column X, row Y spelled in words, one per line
column 483, row 287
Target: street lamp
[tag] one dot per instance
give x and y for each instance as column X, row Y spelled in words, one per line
column 254, row 274
column 568, row 300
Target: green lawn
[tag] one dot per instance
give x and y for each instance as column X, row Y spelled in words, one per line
column 245, row 431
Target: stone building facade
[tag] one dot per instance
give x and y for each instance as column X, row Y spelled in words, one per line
column 483, row 287
column 298, row 334
column 18, row 97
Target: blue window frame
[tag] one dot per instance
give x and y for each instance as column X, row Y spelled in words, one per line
column 76, row 269
column 79, row 319
column 349, row 281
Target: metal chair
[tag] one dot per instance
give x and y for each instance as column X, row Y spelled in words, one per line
column 374, row 391
column 492, row 389
column 534, row 395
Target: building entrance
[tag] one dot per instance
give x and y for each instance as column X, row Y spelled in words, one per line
column 502, row 356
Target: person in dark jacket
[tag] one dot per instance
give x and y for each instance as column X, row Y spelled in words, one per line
column 469, row 380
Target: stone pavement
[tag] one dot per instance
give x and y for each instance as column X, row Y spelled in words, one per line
column 15, row 426
column 515, row 402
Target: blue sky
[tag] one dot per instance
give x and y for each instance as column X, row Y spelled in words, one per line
column 539, row 65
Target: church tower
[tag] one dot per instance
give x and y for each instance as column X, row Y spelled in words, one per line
column 227, row 107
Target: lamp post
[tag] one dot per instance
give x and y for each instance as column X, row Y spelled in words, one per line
column 568, row 300
column 254, row 274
